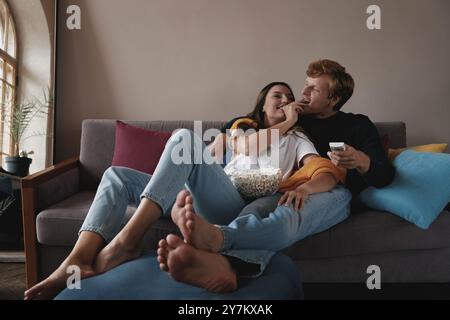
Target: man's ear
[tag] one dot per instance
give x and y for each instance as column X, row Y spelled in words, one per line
column 334, row 101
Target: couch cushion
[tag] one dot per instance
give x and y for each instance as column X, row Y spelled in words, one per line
column 59, row 224
column 138, row 148
column 362, row 233
column 372, row 232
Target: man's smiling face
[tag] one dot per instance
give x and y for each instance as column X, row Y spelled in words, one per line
column 316, row 97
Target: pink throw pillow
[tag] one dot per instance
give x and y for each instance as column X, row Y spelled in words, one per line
column 138, row 148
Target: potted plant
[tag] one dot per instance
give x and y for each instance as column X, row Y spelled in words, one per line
column 16, row 119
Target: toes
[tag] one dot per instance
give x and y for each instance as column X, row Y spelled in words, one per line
column 190, row 221
column 30, row 293
column 189, row 208
column 161, row 253
column 181, row 198
column 190, row 225
column 190, row 215
column 174, row 241
column 189, row 199
column 178, row 212
column 180, row 221
column 163, row 244
column 161, row 259
column 163, row 267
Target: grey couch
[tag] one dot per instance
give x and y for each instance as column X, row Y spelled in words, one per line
column 56, row 202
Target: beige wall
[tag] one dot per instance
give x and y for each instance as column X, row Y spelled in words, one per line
column 207, row 59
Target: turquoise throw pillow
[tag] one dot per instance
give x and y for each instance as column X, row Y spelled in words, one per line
column 420, row 190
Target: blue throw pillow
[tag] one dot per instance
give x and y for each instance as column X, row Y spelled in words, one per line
column 420, row 190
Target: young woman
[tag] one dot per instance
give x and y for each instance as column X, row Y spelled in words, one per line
column 102, row 245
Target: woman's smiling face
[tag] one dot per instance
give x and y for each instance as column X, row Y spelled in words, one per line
column 277, row 97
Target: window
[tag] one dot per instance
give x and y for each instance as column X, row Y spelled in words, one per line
column 8, row 70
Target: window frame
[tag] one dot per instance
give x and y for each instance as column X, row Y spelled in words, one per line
column 7, row 59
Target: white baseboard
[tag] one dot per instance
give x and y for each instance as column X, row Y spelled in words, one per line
column 12, row 256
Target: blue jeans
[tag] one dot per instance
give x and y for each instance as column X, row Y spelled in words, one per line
column 215, row 197
column 254, row 237
column 251, row 238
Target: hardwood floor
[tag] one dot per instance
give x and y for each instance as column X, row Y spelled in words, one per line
column 12, row 281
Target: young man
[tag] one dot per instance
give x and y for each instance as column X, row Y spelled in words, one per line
column 209, row 255
column 327, row 88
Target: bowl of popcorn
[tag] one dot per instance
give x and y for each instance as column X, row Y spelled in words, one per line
column 256, row 183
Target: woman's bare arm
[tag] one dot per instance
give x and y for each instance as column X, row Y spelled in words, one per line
column 261, row 140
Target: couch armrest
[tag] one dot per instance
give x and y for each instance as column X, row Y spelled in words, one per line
column 30, row 205
column 58, row 189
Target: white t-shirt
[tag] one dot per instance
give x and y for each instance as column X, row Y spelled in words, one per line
column 293, row 146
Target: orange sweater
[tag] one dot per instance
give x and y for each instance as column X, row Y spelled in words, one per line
column 310, row 170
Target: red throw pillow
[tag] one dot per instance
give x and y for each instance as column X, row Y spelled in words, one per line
column 138, row 148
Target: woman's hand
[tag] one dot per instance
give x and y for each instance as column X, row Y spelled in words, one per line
column 292, row 111
column 299, row 195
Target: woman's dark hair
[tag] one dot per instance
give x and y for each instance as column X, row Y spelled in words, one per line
column 257, row 114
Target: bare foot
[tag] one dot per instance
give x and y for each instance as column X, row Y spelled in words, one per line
column 196, row 231
column 57, row 281
column 114, row 254
column 211, row 271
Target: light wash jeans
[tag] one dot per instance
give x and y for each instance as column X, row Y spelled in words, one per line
column 254, row 236
column 251, row 238
column 215, row 197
